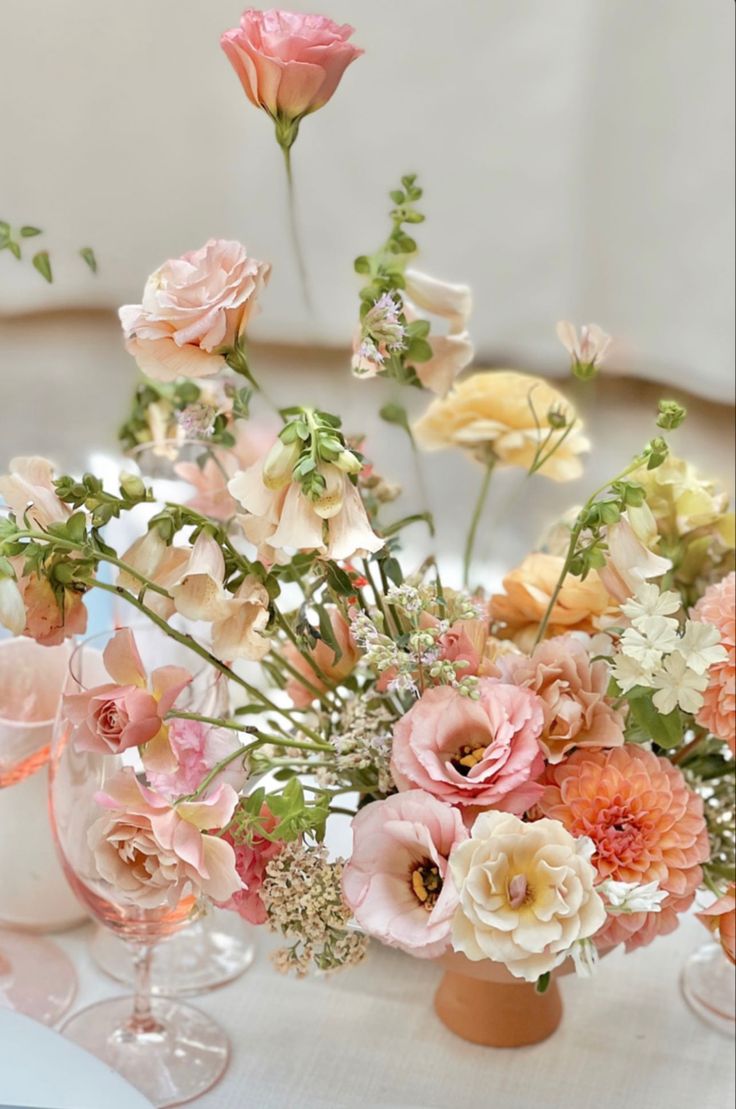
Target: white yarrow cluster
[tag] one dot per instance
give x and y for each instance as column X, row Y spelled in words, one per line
column 656, row 653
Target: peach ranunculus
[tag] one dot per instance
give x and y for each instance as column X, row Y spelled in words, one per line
column 397, row 881
column 482, row 753
column 154, row 853
column 251, row 860
column 333, row 668
column 577, row 711
column 526, row 894
column 289, row 63
column 647, row 826
column 28, row 490
column 452, row 351
column 717, row 606
column 580, row 606
column 720, row 918
column 109, row 718
column 194, row 310
column 281, row 518
column 491, row 415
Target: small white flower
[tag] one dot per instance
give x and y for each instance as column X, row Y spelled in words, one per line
column 677, row 685
column 654, row 637
column 587, row 349
column 701, row 647
column 629, row 672
column 648, row 601
column 585, row 957
column 631, row 897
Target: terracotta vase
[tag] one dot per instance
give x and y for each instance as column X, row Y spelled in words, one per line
column 483, row 1003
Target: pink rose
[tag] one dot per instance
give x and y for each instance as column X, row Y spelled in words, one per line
column 336, row 669
column 110, row 718
column 572, row 689
column 251, row 860
column 397, row 882
column 482, row 753
column 194, row 310
column 198, row 748
column 153, row 853
column 288, row 63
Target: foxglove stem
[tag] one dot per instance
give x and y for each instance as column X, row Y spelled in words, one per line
column 477, row 513
column 294, row 229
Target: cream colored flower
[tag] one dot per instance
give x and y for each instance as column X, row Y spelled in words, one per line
column 453, row 351
column 681, row 500
column 12, row 608
column 677, row 684
column 199, row 592
column 526, row 893
column 239, row 631
column 29, row 491
column 649, row 601
column 492, row 415
column 630, row 559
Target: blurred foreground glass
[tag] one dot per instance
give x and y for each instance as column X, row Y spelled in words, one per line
column 36, row 978
column 171, row 1052
column 709, row 987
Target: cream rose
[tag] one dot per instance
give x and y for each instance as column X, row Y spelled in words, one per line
column 526, row 894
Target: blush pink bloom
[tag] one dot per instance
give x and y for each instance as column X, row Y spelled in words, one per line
column 211, row 497
column 628, row 561
column 335, row 669
column 647, row 826
column 397, row 882
column 251, row 860
column 194, row 309
column 577, row 712
column 718, row 607
column 289, row 63
column 720, row 918
column 29, row 490
column 197, row 748
column 153, row 853
column 110, row 718
column 482, row 753
column 50, row 616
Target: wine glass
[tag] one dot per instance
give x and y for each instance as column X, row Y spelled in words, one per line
column 171, row 1052
column 36, row 977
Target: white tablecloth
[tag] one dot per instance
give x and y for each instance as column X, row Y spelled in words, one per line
column 369, row 1038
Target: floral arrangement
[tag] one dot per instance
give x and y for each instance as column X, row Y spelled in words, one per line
column 535, row 773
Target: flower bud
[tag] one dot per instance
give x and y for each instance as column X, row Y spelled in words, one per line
column 671, row 414
column 280, row 462
column 132, row 486
column 348, row 462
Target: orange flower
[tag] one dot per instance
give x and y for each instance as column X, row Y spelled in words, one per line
column 579, row 607
column 646, row 824
column 718, row 607
column 720, row 918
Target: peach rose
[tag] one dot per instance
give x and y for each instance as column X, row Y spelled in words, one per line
column 580, row 606
column 153, row 853
column 577, row 712
column 335, row 669
column 194, row 310
column 397, row 881
column 482, row 753
column 289, row 63
column 720, row 918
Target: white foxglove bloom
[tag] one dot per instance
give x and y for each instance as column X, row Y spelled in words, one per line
column 452, row 352
column 439, row 298
column 648, row 601
column 240, row 631
column 199, row 593
column 701, row 646
column 631, row 897
column 677, row 684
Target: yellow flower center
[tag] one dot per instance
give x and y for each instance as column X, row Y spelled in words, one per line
column 468, row 756
column 426, row 884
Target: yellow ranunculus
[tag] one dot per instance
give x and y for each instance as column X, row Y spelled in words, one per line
column 492, row 415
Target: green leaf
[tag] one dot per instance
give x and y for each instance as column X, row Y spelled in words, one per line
column 665, row 731
column 542, row 983
column 76, row 527
column 419, row 350
column 28, row 232
column 14, row 249
column 327, row 632
column 42, row 263
column 88, row 255
column 418, row 329
column 362, row 264
column 396, row 414
column 397, row 196
column 338, row 581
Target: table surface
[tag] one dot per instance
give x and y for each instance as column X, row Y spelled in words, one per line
column 368, row 1037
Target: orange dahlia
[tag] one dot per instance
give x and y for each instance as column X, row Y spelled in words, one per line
column 647, row 826
column 718, row 606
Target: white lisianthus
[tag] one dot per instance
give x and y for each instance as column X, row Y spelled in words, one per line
column 631, row 897
column 677, row 684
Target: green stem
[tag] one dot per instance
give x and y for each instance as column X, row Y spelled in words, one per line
column 294, row 229
column 477, row 513
column 99, row 556
column 289, row 631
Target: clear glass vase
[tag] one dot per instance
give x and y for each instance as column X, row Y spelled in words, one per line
column 709, row 986
column 171, row 1052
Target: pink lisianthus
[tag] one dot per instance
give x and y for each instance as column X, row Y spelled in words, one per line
column 572, row 689
column 153, row 853
column 251, row 860
column 289, row 63
column 718, row 607
column 198, row 748
column 397, row 882
column 335, row 669
column 110, row 718
column 194, row 310
column 482, row 753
